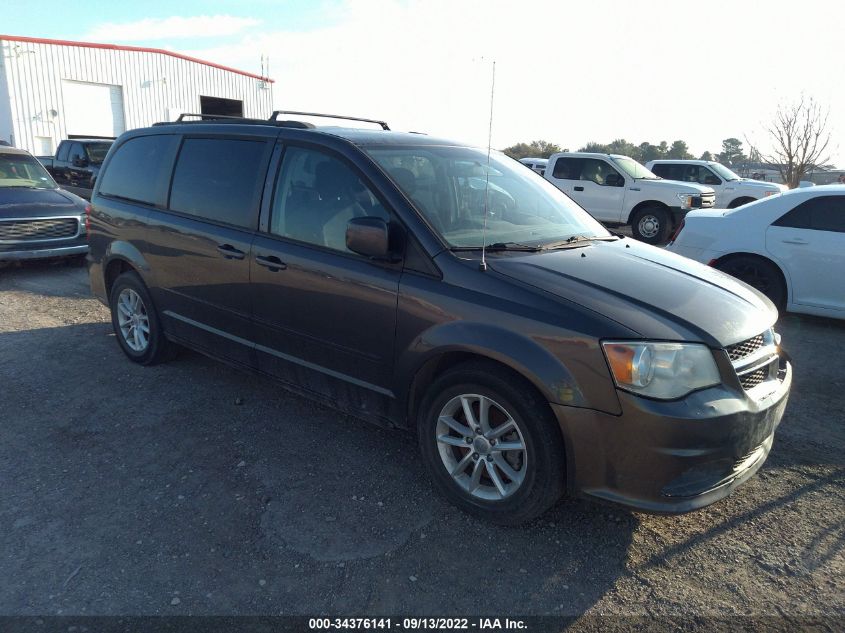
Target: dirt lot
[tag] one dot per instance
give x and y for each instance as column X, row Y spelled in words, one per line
column 192, row 488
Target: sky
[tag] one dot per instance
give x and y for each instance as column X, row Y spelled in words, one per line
column 565, row 72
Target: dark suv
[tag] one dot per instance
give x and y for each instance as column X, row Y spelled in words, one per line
column 349, row 264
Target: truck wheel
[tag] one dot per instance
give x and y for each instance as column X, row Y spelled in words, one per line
column 758, row 273
column 650, row 225
column 739, row 202
column 136, row 323
column 491, row 444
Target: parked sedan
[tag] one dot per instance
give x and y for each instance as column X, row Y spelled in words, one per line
column 37, row 219
column 790, row 246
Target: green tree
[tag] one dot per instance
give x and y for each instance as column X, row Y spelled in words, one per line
column 648, row 152
column 597, row 148
column 706, row 156
column 679, row 151
column 732, row 153
column 623, row 147
column 534, row 149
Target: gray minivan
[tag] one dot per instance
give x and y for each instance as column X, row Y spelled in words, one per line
column 418, row 283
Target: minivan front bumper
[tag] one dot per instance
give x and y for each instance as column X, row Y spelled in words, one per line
column 671, row 457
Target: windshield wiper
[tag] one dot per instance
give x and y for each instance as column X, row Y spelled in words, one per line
column 580, row 240
column 499, row 246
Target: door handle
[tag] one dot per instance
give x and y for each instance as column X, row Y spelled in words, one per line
column 579, row 188
column 271, row 262
column 230, row 252
column 796, row 240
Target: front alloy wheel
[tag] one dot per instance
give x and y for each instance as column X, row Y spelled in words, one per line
column 481, row 446
column 491, row 443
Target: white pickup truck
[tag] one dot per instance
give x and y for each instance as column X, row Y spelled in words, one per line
column 617, row 190
column 731, row 190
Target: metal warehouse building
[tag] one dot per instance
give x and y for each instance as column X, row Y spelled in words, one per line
column 52, row 90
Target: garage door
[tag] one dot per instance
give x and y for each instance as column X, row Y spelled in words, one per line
column 93, row 109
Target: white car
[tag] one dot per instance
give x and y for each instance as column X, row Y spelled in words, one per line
column 731, row 190
column 537, row 164
column 790, row 246
column 618, row 190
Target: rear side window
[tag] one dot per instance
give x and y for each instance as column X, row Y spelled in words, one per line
column 671, row 172
column 220, row 179
column 139, row 169
column 568, row 168
column 823, row 213
column 829, row 215
column 63, row 148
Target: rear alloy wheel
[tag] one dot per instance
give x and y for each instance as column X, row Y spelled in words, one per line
column 651, row 225
column 491, row 443
column 135, row 322
column 758, row 273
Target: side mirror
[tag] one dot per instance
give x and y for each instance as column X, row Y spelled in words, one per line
column 614, row 180
column 367, row 236
column 80, row 161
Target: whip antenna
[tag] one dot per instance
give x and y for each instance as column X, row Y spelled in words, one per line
column 483, row 265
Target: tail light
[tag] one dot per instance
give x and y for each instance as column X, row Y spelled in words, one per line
column 677, row 231
column 87, row 221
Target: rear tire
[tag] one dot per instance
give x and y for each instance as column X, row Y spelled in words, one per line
column 651, row 225
column 136, row 323
column 758, row 273
column 467, row 457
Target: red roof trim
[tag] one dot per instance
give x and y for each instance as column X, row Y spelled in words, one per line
column 137, row 49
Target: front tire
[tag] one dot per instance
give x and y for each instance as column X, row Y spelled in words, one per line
column 136, row 323
column 651, row 225
column 491, row 444
column 739, row 202
column 758, row 273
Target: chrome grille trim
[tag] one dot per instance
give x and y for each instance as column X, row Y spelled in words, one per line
column 40, row 229
column 755, row 360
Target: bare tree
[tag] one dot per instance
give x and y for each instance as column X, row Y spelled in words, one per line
column 800, row 138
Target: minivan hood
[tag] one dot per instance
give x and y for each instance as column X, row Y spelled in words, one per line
column 658, row 294
column 24, row 203
column 674, row 185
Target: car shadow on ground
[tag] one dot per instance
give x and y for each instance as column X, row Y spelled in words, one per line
column 219, row 485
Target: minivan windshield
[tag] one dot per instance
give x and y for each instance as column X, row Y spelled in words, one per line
column 723, row 171
column 634, row 169
column 448, row 185
column 22, row 170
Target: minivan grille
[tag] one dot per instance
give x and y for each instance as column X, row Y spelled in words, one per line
column 38, row 229
column 754, row 378
column 740, row 350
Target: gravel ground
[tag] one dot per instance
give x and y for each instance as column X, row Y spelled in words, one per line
column 193, row 488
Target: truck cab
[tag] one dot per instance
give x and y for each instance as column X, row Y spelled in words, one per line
column 731, row 190
column 77, row 164
column 617, row 190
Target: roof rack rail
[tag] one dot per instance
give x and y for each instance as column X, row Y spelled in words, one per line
column 225, row 118
column 276, row 113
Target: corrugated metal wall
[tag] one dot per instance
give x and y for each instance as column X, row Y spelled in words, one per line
column 156, row 87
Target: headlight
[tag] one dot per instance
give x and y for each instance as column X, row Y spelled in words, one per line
column 688, row 200
column 661, row 370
